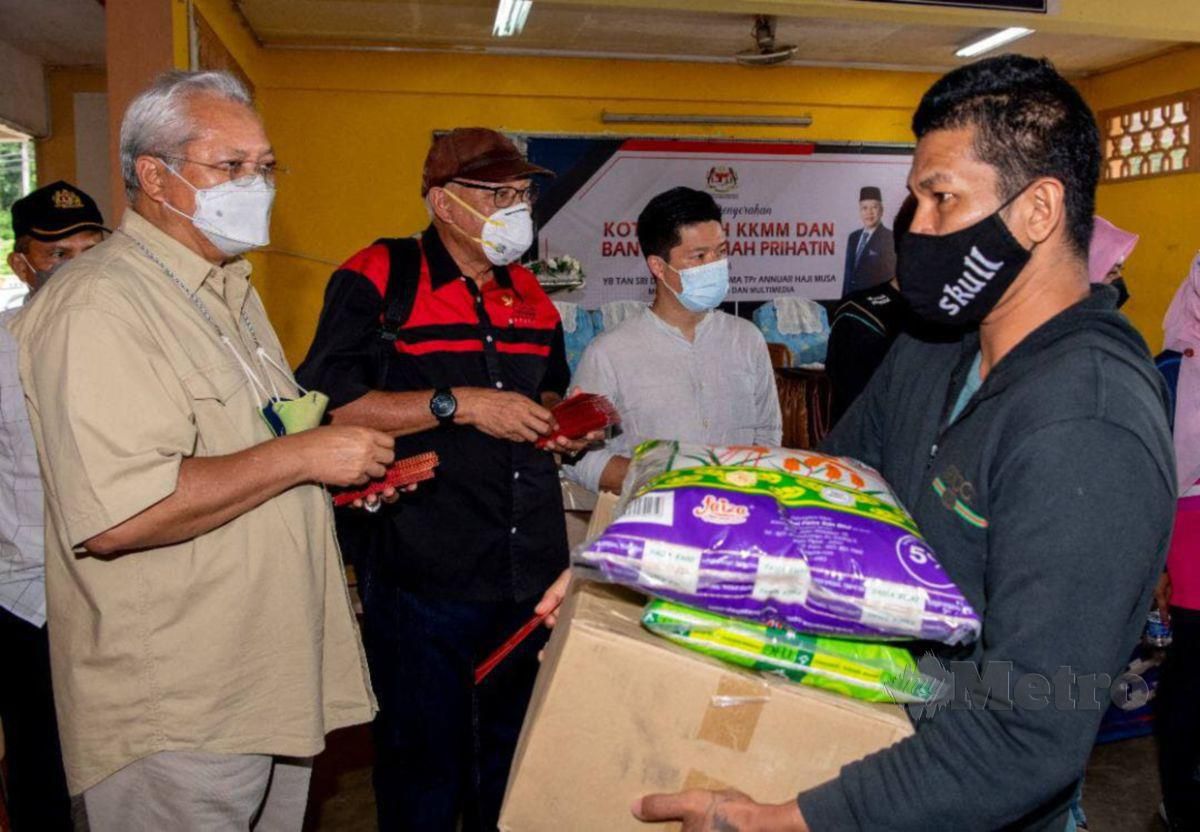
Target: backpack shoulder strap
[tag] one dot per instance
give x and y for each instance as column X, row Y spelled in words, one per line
column 404, row 271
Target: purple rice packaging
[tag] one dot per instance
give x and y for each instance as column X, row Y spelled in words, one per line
column 776, row 536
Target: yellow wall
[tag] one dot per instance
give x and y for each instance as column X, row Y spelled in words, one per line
column 354, row 127
column 1161, row 210
column 56, row 153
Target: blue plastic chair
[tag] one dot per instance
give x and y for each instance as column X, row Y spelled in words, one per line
column 807, row 348
column 577, row 341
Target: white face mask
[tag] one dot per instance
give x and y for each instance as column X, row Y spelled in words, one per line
column 235, row 217
column 41, row 276
column 507, row 234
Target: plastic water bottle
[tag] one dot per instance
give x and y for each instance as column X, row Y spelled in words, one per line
column 1158, row 632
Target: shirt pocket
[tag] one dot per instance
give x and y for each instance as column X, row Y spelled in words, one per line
column 223, row 410
column 12, row 404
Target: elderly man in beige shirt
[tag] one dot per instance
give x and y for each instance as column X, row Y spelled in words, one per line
column 202, row 639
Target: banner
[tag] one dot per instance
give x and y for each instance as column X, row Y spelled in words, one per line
column 794, row 215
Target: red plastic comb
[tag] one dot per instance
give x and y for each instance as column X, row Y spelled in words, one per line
column 580, row 415
column 401, row 473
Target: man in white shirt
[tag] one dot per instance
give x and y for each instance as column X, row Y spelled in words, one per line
column 54, row 224
column 680, row 368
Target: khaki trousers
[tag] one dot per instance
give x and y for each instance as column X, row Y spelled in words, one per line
column 195, row 791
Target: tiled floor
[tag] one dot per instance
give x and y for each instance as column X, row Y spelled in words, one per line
column 1121, row 793
column 342, row 799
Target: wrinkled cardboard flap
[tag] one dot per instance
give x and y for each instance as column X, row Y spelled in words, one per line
column 602, row 513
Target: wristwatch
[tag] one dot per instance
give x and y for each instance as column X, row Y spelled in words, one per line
column 443, row 405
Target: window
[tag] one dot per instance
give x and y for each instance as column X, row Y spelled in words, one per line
column 17, row 178
column 1149, row 138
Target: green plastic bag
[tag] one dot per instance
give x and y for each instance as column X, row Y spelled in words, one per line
column 865, row 670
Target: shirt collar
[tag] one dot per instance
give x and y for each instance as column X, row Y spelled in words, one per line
column 443, row 268
column 237, row 283
column 675, row 332
column 186, row 264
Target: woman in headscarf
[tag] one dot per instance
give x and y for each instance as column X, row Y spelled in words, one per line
column 1110, row 247
column 1178, row 714
column 1107, row 252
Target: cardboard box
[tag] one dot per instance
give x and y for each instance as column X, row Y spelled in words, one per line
column 618, row 712
column 602, row 513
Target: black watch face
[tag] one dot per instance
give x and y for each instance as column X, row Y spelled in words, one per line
column 443, row 405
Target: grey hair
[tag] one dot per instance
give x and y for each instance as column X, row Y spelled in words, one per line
column 157, row 122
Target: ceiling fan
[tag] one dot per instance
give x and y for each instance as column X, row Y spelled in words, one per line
column 766, row 52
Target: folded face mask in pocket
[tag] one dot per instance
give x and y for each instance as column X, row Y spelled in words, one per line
column 290, row 416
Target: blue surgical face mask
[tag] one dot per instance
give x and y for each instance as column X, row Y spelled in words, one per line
column 703, row 286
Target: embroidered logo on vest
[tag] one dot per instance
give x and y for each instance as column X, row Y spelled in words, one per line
column 956, row 494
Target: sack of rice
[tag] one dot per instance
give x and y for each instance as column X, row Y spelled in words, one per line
column 818, row 543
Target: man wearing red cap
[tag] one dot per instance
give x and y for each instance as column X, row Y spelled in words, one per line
column 469, row 357
column 53, row 225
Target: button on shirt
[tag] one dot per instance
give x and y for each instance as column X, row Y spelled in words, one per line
column 490, row 525
column 238, row 641
column 718, row 389
column 22, row 556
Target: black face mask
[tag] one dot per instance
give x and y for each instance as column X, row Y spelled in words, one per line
column 957, row 279
column 1122, row 291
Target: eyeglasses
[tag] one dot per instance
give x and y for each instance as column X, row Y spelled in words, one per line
column 505, row 196
column 242, row 173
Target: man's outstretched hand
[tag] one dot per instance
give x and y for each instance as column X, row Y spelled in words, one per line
column 559, row 444
column 387, row 496
column 727, row 811
column 553, row 597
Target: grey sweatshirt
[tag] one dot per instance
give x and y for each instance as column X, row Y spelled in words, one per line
column 1049, row 503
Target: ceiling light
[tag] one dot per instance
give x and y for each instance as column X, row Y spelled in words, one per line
column 510, row 17
column 683, row 118
column 984, row 44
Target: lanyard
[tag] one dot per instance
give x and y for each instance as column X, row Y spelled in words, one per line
column 264, row 359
